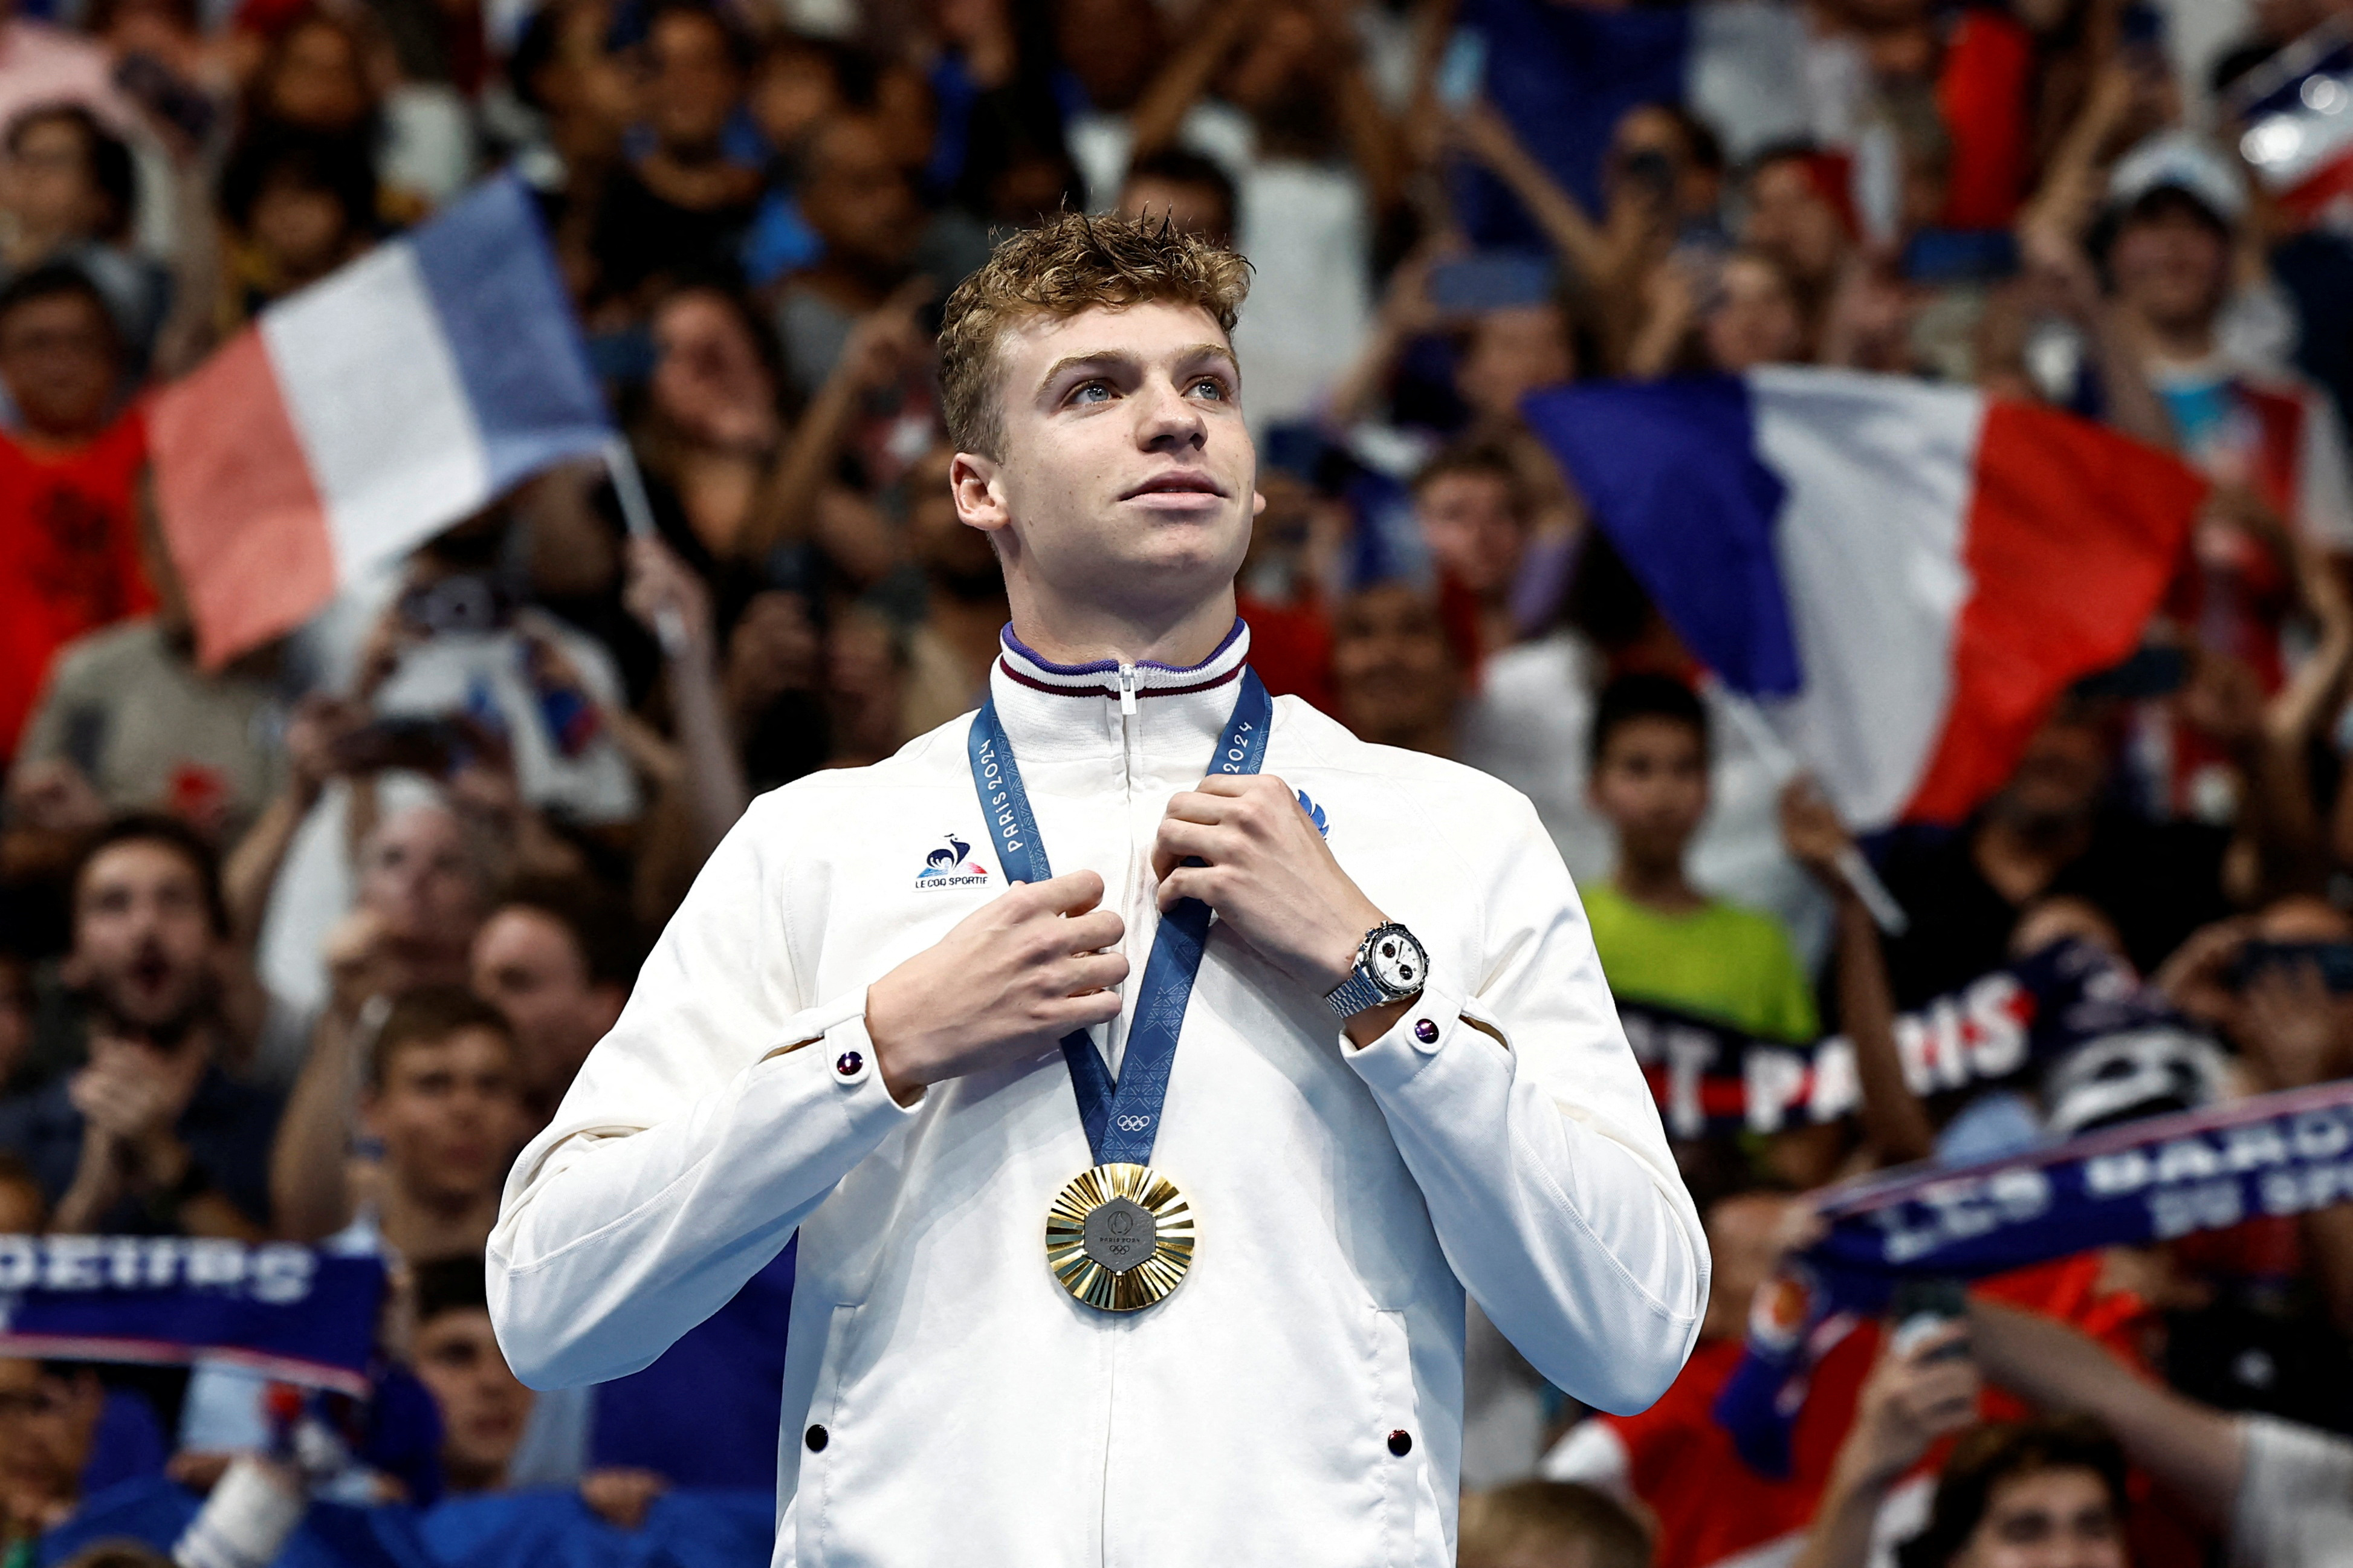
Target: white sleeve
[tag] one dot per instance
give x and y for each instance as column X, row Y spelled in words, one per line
column 1521, row 1112
column 2294, row 1506
column 720, row 1110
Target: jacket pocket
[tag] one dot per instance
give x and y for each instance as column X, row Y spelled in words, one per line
column 822, row 1437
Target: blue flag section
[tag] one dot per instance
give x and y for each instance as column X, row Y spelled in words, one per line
column 1670, row 472
column 2143, row 1182
column 285, row 1312
column 491, row 275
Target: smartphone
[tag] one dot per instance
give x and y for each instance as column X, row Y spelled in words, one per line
column 1922, row 1308
column 463, row 602
column 2333, row 959
column 1461, row 69
column 427, row 745
column 1491, row 280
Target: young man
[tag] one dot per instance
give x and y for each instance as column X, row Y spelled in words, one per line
column 1662, row 941
column 148, row 1135
column 442, row 1097
column 1016, row 1339
column 485, row 1411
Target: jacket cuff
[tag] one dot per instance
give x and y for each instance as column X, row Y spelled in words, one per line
column 1415, row 1042
column 831, row 1043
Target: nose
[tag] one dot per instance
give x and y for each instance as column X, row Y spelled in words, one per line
column 1167, row 420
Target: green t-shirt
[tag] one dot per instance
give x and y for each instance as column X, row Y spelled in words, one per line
column 1720, row 962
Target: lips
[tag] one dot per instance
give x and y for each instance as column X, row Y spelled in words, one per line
column 1178, row 481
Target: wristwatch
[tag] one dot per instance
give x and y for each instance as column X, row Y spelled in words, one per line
column 1390, row 967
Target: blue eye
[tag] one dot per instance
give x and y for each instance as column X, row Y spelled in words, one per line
column 1090, row 392
column 1214, row 388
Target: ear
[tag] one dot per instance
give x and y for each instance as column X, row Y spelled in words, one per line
column 977, row 484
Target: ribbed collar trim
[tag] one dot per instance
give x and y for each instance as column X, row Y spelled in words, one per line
column 1100, row 678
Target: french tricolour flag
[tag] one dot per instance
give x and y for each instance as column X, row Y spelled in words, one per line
column 1910, row 575
column 358, row 418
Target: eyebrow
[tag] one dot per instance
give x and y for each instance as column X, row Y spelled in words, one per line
column 1119, row 358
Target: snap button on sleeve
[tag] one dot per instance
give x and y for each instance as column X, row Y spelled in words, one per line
column 850, row 1067
column 817, row 1438
column 1425, row 1031
column 1401, row 1442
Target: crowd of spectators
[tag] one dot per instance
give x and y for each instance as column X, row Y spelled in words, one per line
column 305, row 947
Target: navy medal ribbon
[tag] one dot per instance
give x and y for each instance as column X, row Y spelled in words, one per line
column 1123, row 1119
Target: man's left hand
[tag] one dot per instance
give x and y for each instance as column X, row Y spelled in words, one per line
column 1267, row 873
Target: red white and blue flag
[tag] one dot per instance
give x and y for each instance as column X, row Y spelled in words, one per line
column 1908, row 576
column 363, row 415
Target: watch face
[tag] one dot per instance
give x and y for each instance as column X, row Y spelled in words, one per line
column 1396, row 960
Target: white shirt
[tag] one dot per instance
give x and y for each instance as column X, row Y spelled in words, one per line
column 1298, row 1398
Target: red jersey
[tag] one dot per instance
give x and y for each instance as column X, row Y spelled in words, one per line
column 69, row 554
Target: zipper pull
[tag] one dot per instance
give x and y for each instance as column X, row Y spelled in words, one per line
column 1127, row 691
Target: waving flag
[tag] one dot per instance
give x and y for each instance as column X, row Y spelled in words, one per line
column 364, row 414
column 1910, row 573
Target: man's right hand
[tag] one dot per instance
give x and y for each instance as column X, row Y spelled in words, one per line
column 1012, row 978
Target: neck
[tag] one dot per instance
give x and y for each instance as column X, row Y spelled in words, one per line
column 429, row 1225
column 1656, row 885
column 2189, row 339
column 1076, row 634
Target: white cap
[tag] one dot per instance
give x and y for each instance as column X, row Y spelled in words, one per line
column 2182, row 161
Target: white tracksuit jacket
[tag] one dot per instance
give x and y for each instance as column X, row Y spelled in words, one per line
column 1297, row 1401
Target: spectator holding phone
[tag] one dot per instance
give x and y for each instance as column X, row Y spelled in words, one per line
column 1925, row 1388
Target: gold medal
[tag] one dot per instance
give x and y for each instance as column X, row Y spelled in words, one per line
column 1120, row 1237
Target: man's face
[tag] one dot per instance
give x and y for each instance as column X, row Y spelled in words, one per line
column 1754, row 321
column 1127, row 482
column 1391, row 670
column 2057, row 780
column 1788, row 218
column 2170, row 265
column 528, row 967
column 483, row 1404
column 417, row 876
column 1652, row 785
column 1473, row 534
column 45, row 182
column 857, row 199
column 318, row 84
column 143, row 939
column 450, row 1112
column 299, row 227
column 2046, row 1519
column 1512, row 352
column 57, row 358
column 691, row 83
column 47, row 1427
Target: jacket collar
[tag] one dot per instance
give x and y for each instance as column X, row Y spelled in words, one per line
column 1030, row 668
column 1072, row 712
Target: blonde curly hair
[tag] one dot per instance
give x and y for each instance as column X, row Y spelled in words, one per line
column 1065, row 265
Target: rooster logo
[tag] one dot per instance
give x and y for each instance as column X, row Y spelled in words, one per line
column 948, row 861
